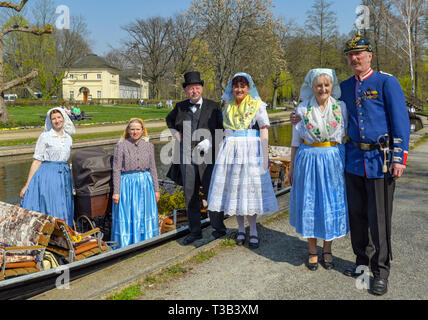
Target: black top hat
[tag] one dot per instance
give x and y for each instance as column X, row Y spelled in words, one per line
column 193, row 77
column 358, row 43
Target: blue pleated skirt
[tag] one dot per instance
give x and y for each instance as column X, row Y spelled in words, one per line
column 135, row 217
column 51, row 191
column 318, row 204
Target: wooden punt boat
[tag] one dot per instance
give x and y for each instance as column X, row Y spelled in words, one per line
column 31, row 284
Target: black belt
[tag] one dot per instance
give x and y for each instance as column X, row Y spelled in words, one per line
column 364, row 146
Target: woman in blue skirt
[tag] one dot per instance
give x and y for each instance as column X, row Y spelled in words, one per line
column 136, row 187
column 49, row 187
column 318, row 206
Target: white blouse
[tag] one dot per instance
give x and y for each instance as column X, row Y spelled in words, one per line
column 320, row 126
column 52, row 147
column 261, row 117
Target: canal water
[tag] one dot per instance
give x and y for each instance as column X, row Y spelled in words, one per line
column 14, row 169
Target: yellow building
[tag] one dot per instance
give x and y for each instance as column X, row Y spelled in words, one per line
column 91, row 77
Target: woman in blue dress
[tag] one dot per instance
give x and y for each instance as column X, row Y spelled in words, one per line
column 136, row 188
column 49, row 187
column 318, row 205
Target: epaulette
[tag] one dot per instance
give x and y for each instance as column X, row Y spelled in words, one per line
column 388, row 74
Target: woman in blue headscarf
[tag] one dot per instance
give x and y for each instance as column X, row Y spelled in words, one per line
column 318, row 205
column 240, row 182
column 49, row 187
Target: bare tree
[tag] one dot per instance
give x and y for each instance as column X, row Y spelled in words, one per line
column 148, row 48
column 47, row 29
column 321, row 23
column 117, row 59
column 183, row 38
column 402, row 31
column 230, row 29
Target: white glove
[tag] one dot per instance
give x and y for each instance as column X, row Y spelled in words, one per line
column 204, row 145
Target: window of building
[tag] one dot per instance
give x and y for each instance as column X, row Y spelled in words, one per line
column 85, row 76
column 99, row 94
column 98, row 76
column 71, row 77
column 71, row 94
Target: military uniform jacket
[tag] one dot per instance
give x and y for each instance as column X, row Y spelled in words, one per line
column 376, row 105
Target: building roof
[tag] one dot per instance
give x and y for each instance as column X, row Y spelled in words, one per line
column 123, row 81
column 91, row 61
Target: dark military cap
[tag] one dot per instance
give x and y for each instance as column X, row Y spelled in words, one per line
column 358, row 43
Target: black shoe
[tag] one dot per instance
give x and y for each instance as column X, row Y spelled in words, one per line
column 314, row 265
column 328, row 265
column 240, row 242
column 379, row 286
column 253, row 245
column 191, row 238
column 352, row 271
column 218, row 234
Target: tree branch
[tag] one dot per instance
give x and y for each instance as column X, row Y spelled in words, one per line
column 37, row 31
column 7, row 4
column 20, row 81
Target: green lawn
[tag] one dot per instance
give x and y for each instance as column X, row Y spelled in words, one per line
column 30, row 116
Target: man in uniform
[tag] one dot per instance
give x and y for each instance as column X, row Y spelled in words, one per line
column 377, row 115
column 378, row 119
column 186, row 121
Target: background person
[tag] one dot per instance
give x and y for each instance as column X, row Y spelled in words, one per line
column 318, row 205
column 135, row 187
column 241, row 183
column 49, row 187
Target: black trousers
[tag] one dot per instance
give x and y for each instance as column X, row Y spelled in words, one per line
column 191, row 186
column 367, row 219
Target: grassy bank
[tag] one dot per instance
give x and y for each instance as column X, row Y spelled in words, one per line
column 77, row 137
column 31, row 116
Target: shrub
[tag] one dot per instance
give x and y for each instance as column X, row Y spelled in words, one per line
column 167, row 203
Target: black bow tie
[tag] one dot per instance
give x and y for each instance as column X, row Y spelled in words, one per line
column 197, row 105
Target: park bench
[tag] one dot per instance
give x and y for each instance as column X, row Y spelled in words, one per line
column 24, row 236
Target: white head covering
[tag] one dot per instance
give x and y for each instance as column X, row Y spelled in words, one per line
column 68, row 125
column 306, row 91
column 228, row 93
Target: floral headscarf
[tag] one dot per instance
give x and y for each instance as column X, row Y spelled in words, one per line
column 67, row 126
column 228, row 94
column 306, row 91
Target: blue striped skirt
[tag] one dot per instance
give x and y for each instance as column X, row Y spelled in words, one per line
column 50, row 191
column 318, row 204
column 135, row 217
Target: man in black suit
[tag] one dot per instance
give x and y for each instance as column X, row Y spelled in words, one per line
column 194, row 123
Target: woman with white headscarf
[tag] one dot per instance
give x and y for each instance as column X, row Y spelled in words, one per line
column 49, row 187
column 318, row 205
column 240, row 182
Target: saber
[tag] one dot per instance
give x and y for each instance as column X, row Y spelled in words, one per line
column 384, row 147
